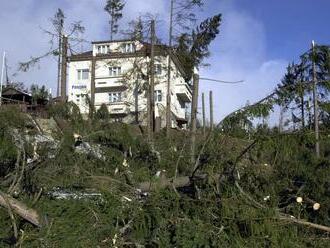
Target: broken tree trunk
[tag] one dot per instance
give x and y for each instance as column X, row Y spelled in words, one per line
column 20, row 209
column 164, row 183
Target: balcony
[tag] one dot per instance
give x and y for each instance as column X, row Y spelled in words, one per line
column 116, row 108
column 103, row 86
column 183, row 92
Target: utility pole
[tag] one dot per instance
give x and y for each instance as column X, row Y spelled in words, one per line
column 194, row 105
column 316, row 114
column 2, row 72
column 92, row 103
column 64, row 67
column 60, row 33
column 203, row 112
column 168, row 94
column 152, row 84
column 211, row 110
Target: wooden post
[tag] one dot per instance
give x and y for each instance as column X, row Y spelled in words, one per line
column 194, row 105
column 316, row 114
column 203, row 112
column 92, row 103
column 136, row 99
column 211, row 110
column 152, row 83
column 168, row 94
column 64, row 67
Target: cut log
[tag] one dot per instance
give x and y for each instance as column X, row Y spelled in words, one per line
column 164, row 183
column 20, row 209
column 304, row 222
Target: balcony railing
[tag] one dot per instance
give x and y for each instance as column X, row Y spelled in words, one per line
column 183, row 91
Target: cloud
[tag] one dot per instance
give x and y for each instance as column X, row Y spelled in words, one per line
column 22, row 37
column 240, row 53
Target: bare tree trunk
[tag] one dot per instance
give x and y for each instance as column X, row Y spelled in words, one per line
column 211, row 110
column 194, row 105
column 21, row 209
column 92, row 102
column 152, row 83
column 203, row 112
column 64, row 67
column 136, row 98
column 59, row 58
column 302, row 109
column 168, row 94
column 316, row 114
column 111, row 27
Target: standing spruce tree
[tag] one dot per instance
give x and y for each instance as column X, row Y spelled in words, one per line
column 40, row 95
column 182, row 16
column 293, row 89
column 296, row 86
column 114, row 9
column 193, row 48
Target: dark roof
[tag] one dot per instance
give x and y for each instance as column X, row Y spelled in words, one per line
column 9, row 90
column 88, row 53
column 160, row 49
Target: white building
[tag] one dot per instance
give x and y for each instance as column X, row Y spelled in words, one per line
column 114, row 73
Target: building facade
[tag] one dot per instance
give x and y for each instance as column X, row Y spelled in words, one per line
column 115, row 73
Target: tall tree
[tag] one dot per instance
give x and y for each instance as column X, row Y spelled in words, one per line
column 58, row 23
column 39, row 95
column 293, row 89
column 114, row 9
column 181, row 15
column 194, row 48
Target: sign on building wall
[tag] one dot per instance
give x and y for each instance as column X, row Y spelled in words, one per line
column 79, row 87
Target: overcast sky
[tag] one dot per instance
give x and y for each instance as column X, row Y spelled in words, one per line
column 257, row 39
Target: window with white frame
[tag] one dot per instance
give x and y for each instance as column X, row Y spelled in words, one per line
column 103, row 49
column 115, row 97
column 158, row 69
column 83, row 74
column 158, row 95
column 128, row 48
column 114, row 71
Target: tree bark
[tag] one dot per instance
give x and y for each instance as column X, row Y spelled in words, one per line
column 193, row 128
column 168, row 91
column 203, row 111
column 20, row 209
column 316, row 111
column 211, row 110
column 64, row 67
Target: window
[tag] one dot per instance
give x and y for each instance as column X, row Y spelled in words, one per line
column 103, row 49
column 114, row 71
column 83, row 74
column 115, row 97
column 128, row 48
column 158, row 69
column 158, row 95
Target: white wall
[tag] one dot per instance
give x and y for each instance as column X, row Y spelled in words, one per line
column 128, row 79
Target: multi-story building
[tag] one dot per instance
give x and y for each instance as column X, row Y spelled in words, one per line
column 115, row 73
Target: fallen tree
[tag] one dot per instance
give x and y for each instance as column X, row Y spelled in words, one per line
column 20, row 209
